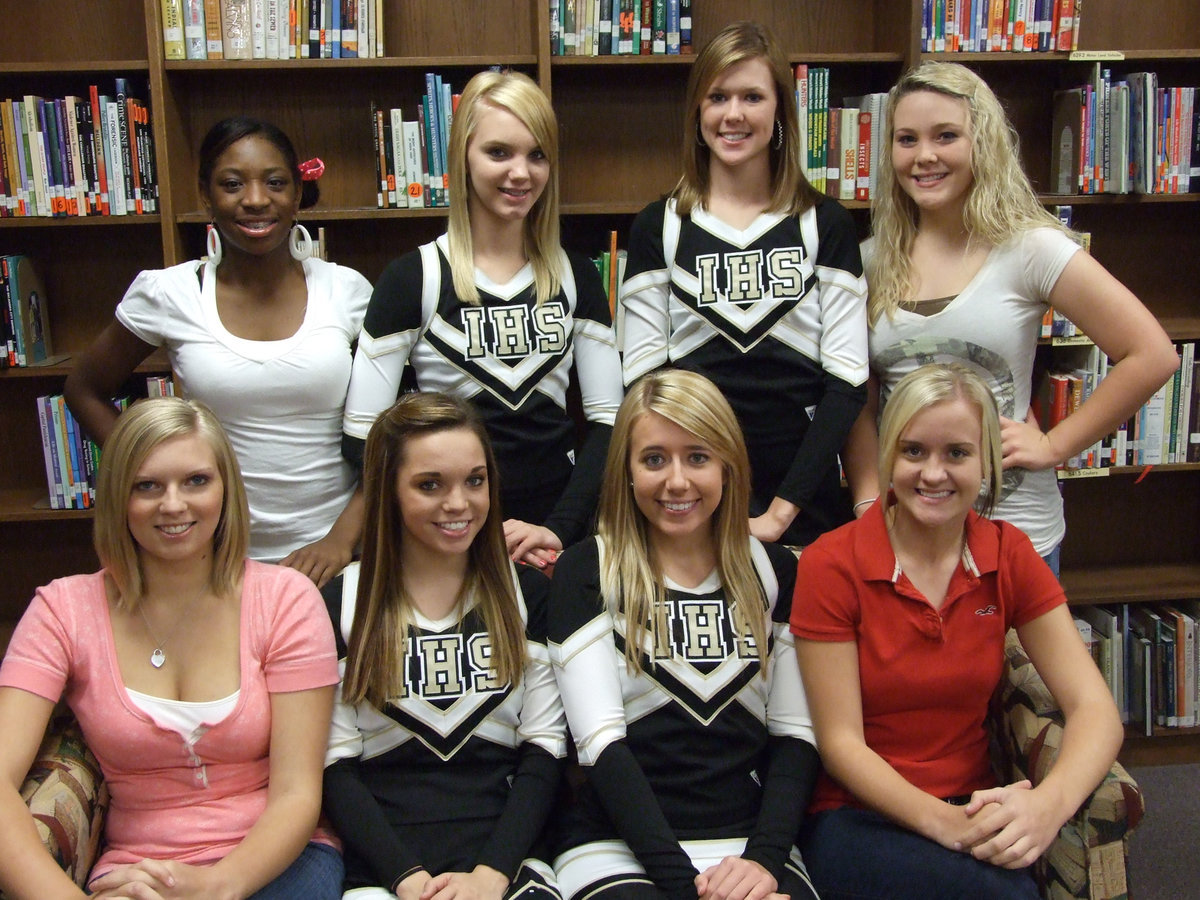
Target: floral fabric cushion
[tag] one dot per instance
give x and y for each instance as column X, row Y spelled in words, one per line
column 1088, row 859
column 65, row 791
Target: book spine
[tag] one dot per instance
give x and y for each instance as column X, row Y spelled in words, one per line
column 381, row 196
column 10, row 315
column 258, row 29
column 75, row 153
column 116, row 163
column 389, row 159
column 659, row 32
column 236, row 29
column 214, row 41
column 398, row 177
column 194, row 42
column 412, row 165
column 52, row 139
column 604, row 44
column 100, row 149
column 172, row 13
column 673, row 27
column 48, row 457
column 433, row 126
column 124, row 134
column 862, row 186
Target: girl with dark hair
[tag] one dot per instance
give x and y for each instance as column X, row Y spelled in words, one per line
column 262, row 333
column 749, row 276
column 448, row 738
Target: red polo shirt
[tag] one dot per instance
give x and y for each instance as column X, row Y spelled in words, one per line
column 926, row 674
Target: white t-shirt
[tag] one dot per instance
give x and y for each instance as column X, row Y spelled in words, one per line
column 993, row 327
column 281, row 402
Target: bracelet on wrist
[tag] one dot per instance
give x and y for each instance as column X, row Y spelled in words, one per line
column 855, row 507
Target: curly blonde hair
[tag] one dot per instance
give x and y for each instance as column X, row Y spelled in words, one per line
column 1000, row 202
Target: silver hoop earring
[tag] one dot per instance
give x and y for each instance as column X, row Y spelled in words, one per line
column 778, row 142
column 213, row 245
column 300, row 243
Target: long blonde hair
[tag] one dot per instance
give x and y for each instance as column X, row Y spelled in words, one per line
column 735, row 43
column 629, row 579
column 383, row 608
column 1000, row 202
column 139, row 431
column 518, row 94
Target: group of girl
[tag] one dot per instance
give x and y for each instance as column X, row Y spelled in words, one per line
column 670, row 645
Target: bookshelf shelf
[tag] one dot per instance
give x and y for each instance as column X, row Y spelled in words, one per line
column 328, row 66
column 32, row 505
column 342, row 214
column 19, row 222
column 73, row 67
column 1131, row 584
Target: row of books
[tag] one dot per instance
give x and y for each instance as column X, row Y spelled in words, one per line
column 620, row 27
column 410, row 153
column 71, row 458
column 77, row 156
column 1166, row 429
column 272, row 29
column 981, row 26
column 839, row 146
column 25, row 324
column 611, row 266
column 1125, row 136
column 1147, row 655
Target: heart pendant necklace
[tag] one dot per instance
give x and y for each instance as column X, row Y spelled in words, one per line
column 158, row 658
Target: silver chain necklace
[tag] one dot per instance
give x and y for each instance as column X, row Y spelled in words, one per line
column 158, row 659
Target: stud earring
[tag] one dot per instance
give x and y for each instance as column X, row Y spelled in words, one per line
column 213, row 245
column 300, row 243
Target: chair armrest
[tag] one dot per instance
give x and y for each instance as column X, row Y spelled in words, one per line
column 66, row 794
column 1088, row 858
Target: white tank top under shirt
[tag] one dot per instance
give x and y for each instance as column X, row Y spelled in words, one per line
column 188, row 719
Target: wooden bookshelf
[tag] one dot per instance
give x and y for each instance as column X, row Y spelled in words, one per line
column 620, row 123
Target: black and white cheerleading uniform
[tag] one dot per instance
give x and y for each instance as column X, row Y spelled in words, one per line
column 460, row 770
column 776, row 317
column 512, row 358
column 695, row 758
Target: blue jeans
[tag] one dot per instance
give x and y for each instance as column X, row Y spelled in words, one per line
column 1054, row 559
column 855, row 854
column 315, row 875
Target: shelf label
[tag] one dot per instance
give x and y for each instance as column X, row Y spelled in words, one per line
column 1096, row 55
column 1068, row 474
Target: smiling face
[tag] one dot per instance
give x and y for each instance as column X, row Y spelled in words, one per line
column 175, row 501
column 506, row 168
column 678, row 480
column 442, row 490
column 938, row 468
column 737, row 115
column 252, row 196
column 931, row 150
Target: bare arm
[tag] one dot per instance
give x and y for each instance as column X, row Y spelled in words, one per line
column 830, row 674
column 1025, row 822
column 323, row 559
column 99, row 374
column 1129, row 334
column 26, row 869
column 299, row 732
column 860, row 456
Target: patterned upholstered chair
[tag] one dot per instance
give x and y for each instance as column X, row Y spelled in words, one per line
column 1089, row 858
column 67, row 796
